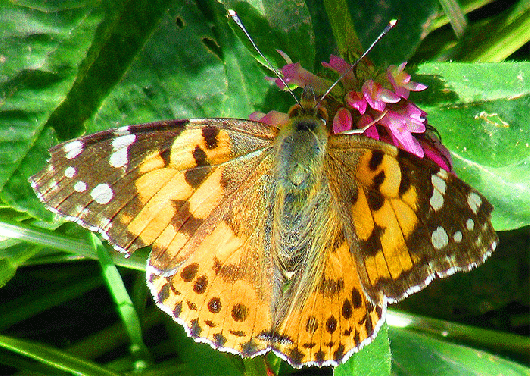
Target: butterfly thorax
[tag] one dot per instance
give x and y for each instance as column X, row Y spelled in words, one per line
column 301, row 145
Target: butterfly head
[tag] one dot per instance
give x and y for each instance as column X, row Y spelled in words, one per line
column 308, row 109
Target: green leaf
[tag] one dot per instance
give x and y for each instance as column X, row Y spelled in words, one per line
column 481, row 111
column 40, row 237
column 124, row 304
column 201, row 359
column 500, row 37
column 73, row 67
column 400, row 43
column 450, row 333
column 40, row 62
column 60, row 361
column 13, row 255
column 278, row 25
column 344, row 32
column 419, row 354
column 373, row 360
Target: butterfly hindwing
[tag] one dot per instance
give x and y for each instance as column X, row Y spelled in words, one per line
column 223, row 298
column 313, row 335
column 217, row 280
column 412, row 221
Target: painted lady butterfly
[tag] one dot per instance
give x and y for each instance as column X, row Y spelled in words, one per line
column 288, row 238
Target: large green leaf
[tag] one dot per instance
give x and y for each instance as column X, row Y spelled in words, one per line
column 481, row 111
column 72, row 67
column 373, row 360
column 419, row 354
column 57, row 361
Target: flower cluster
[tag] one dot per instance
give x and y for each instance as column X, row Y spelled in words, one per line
column 380, row 107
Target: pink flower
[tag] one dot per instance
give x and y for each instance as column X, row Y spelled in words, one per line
column 377, row 96
column 401, row 82
column 357, row 101
column 400, row 117
column 402, row 120
column 342, row 121
column 371, row 131
column 273, row 118
column 435, row 151
column 340, row 66
column 296, row 75
column 403, row 137
column 388, row 113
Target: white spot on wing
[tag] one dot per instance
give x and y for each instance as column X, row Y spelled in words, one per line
column 443, row 174
column 123, row 141
column 470, row 224
column 80, row 186
column 122, row 131
column 102, row 194
column 437, row 200
column 439, row 186
column 457, row 236
column 119, row 145
column 438, row 183
column 118, row 158
column 439, row 238
column 73, row 149
column 474, row 201
column 70, row 172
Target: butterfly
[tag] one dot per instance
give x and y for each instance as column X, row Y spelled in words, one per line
column 291, row 238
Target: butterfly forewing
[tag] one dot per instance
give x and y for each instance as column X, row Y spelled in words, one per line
column 412, row 221
column 129, row 183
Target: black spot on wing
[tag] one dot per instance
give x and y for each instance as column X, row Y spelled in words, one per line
column 209, row 133
column 372, row 246
column 376, row 159
column 197, row 175
column 239, row 312
column 188, row 273
column 200, row 285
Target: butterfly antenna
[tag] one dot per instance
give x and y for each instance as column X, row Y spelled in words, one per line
column 390, row 25
column 239, row 23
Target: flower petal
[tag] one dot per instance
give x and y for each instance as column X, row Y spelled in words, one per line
column 408, row 142
column 338, row 64
column 296, row 75
column 377, row 96
column 342, row 121
column 357, row 101
column 273, row 118
column 401, row 82
column 371, row 131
